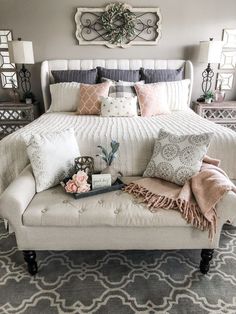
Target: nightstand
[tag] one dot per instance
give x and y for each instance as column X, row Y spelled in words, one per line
column 14, row 116
column 223, row 113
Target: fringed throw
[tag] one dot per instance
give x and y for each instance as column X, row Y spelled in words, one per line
column 196, row 200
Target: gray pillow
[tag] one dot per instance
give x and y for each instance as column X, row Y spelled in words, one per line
column 116, row 74
column 79, row 76
column 155, row 76
column 176, row 158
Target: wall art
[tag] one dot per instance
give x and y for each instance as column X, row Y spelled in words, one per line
column 229, row 38
column 5, row 60
column 118, row 25
column 228, row 60
column 225, row 80
column 5, row 36
column 9, row 79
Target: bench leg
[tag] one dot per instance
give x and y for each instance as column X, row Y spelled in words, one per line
column 206, row 256
column 30, row 258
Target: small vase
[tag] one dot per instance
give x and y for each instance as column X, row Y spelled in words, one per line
column 208, row 101
column 114, row 174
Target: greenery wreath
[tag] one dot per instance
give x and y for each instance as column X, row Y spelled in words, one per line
column 119, row 23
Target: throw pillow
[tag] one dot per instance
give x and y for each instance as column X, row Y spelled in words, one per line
column 119, row 107
column 176, row 158
column 65, row 96
column 165, row 75
column 52, row 157
column 117, row 74
column 90, row 98
column 79, row 76
column 152, row 100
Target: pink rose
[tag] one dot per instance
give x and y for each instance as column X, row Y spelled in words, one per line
column 83, row 188
column 80, row 178
column 71, row 186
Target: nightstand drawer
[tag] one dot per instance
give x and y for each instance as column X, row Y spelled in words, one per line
column 8, row 128
column 14, row 116
column 25, row 114
column 230, row 125
column 219, row 114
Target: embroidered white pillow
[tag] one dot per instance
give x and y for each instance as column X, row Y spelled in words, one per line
column 65, row 97
column 176, row 93
column 119, row 107
column 176, row 158
column 52, row 157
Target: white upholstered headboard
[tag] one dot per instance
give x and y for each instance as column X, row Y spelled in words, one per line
column 124, row 64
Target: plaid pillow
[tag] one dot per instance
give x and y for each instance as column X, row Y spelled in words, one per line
column 122, row 89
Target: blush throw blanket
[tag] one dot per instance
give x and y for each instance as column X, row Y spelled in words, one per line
column 196, row 200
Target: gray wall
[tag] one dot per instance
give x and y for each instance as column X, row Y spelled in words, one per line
column 50, row 25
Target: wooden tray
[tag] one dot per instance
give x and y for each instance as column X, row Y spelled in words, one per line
column 118, row 185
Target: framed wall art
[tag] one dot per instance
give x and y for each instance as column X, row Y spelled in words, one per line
column 7, row 68
column 229, row 38
column 5, row 60
column 225, row 80
column 5, row 36
column 118, row 25
column 9, row 79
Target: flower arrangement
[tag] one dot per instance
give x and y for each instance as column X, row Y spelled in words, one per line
column 78, row 183
column 108, row 157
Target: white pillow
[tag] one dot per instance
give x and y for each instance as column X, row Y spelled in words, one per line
column 52, row 157
column 119, row 107
column 176, row 94
column 65, row 96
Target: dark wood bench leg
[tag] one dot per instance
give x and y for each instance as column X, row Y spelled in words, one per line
column 206, row 256
column 30, row 258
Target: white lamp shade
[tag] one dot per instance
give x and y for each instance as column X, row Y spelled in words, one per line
column 210, row 51
column 21, row 52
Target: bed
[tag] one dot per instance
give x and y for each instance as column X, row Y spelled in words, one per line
column 48, row 220
column 136, row 135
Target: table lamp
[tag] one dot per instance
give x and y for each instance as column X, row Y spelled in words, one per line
column 21, row 52
column 209, row 52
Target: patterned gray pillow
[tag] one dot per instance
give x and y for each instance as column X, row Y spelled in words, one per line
column 176, row 158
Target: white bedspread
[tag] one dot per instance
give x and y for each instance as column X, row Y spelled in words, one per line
column 136, row 136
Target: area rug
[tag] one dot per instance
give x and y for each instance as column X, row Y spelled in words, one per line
column 118, row 282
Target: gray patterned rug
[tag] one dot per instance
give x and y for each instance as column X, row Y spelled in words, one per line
column 110, row 282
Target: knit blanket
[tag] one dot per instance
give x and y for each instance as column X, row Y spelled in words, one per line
column 196, row 200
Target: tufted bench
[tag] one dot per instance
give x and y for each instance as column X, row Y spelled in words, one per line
column 54, row 220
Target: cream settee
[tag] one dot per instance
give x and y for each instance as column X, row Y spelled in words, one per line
column 53, row 220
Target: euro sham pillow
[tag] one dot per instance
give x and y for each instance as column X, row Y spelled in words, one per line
column 117, row 74
column 176, row 158
column 161, row 75
column 64, row 97
column 152, row 100
column 90, row 98
column 79, row 76
column 119, row 107
column 176, row 94
column 52, row 157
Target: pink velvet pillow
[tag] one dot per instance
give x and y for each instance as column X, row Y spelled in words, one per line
column 152, row 99
column 90, row 98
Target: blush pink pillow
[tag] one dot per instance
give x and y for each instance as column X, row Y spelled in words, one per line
column 90, row 98
column 152, row 99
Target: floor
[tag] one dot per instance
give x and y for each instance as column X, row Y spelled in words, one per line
column 109, row 282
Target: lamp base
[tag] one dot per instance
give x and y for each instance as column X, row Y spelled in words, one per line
column 25, row 75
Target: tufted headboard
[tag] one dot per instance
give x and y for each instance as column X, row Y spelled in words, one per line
column 124, row 64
